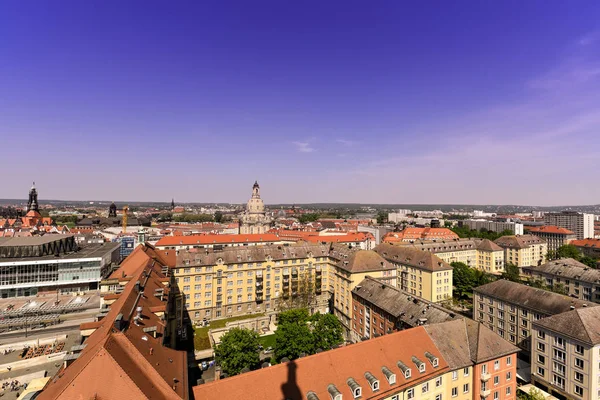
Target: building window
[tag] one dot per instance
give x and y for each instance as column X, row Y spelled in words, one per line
column 578, row 390
column 509, row 360
column 496, row 380
column 496, row 395
column 508, row 391
column 579, row 349
column 466, row 388
column 541, row 371
column 496, row 365
column 578, row 376
column 541, row 335
column 438, row 382
column 425, row 387
column 466, row 372
column 579, row 363
column 541, row 347
column 508, row 376
column 438, row 397
column 454, row 391
column 454, row 375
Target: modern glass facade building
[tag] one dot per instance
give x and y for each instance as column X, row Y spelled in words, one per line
column 32, row 265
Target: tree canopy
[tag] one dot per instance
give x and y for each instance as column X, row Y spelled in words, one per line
column 238, row 350
column 570, row 251
column 465, row 232
column 465, row 278
column 298, row 333
column 512, row 273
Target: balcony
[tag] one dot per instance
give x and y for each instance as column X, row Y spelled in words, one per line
column 259, row 284
column 485, row 393
column 259, row 290
column 286, row 280
column 485, row 376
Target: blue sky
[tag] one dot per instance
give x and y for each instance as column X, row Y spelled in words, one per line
column 436, row 102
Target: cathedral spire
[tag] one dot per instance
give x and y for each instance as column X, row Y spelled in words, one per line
column 32, row 203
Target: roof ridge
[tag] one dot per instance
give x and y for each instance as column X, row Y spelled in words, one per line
column 587, row 333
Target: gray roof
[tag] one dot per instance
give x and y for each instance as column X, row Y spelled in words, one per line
column 351, row 260
column 567, row 268
column 410, row 256
column 488, row 245
column 441, row 245
column 402, row 305
column 31, row 240
column 518, row 241
column 464, row 341
column 582, row 324
column 92, row 250
column 540, row 300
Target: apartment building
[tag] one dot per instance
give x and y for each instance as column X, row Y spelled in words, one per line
column 565, row 358
column 412, row 234
column 509, row 309
column 523, row 250
column 580, row 223
column 242, row 280
column 380, row 368
column 483, row 254
column 379, row 309
column 579, row 280
column 555, row 236
column 588, row 247
column 420, row 273
column 489, row 366
column 216, row 241
column 478, row 224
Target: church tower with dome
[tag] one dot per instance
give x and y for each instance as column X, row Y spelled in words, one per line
column 254, row 219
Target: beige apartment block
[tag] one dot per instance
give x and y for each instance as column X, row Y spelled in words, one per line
column 420, row 273
column 523, row 250
column 566, row 354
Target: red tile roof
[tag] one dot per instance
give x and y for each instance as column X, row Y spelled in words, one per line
column 293, row 380
column 126, row 363
column 550, row 229
column 215, row 239
column 587, row 243
column 419, row 233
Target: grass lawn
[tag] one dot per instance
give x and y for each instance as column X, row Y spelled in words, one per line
column 267, row 341
column 201, row 340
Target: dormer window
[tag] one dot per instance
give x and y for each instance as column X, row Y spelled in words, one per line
column 355, row 387
column 405, row 369
column 420, row 364
column 389, row 375
column 374, row 382
column 334, row 392
column 432, row 359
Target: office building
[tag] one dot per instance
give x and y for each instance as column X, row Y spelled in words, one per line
column 524, row 250
column 555, row 236
column 566, row 354
column 478, row 224
column 420, row 273
column 580, row 223
column 50, row 263
column 577, row 279
column 509, row 308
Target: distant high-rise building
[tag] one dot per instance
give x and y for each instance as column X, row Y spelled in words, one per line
column 254, row 219
column 580, row 223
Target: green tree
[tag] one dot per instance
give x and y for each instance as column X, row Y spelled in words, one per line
column 568, row 251
column 295, row 316
column 481, row 277
column 534, row 394
column 238, row 350
column 559, row 288
column 218, row 216
column 589, row 261
column 292, row 340
column 327, row 331
column 308, row 217
column 463, row 279
column 512, row 273
column 381, row 217
column 536, row 283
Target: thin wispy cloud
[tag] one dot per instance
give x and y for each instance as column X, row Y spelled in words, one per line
column 589, row 39
column 346, row 142
column 303, row 147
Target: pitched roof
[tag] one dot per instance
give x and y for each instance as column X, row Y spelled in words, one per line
column 127, row 362
column 582, row 324
column 419, row 233
column 539, row 300
column 407, row 255
column 192, row 240
column 357, row 261
column 518, row 241
column 294, row 380
column 594, row 243
column 464, row 341
column 567, row 268
column 488, row 245
column 550, row 229
column 408, row 308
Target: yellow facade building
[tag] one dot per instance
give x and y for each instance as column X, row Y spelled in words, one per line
column 420, row 273
column 523, row 250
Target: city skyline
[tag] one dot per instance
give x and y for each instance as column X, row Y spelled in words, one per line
column 495, row 105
